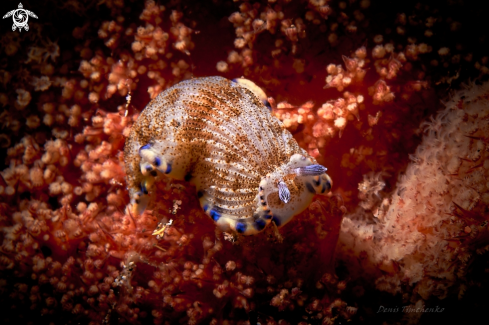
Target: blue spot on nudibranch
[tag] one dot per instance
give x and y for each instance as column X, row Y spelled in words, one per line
column 158, row 161
column 146, row 146
column 260, row 224
column 267, row 104
column 277, row 221
column 168, row 169
column 205, row 207
column 138, row 197
column 149, row 168
column 310, row 188
column 267, row 216
column 144, row 189
column 323, row 188
column 240, row 227
column 215, row 215
column 326, row 185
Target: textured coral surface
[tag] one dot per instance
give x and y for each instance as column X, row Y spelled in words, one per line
column 363, row 86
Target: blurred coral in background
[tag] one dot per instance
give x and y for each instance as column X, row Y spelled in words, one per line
column 360, row 84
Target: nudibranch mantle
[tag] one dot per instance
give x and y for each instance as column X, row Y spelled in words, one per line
column 218, row 135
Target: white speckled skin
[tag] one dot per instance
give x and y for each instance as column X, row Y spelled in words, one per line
column 216, row 134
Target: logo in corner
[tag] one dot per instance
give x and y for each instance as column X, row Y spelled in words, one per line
column 20, row 17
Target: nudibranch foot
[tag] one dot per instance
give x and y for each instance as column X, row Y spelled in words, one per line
column 244, row 225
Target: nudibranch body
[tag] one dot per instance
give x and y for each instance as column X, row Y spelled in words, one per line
column 218, row 135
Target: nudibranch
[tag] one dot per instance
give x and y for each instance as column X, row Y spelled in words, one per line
column 220, row 136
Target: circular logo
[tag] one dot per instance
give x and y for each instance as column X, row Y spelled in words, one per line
column 20, row 17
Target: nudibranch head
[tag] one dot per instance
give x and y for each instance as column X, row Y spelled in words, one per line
column 220, row 136
column 290, row 188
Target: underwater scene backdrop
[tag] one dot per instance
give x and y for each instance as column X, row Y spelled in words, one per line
column 391, row 99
